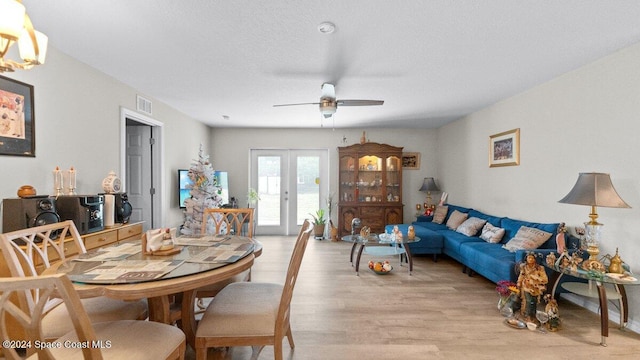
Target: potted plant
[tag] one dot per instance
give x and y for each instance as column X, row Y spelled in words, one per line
column 252, row 198
column 319, row 223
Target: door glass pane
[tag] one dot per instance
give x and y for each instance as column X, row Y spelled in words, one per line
column 269, row 190
column 308, row 187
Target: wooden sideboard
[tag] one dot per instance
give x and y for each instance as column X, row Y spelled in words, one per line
column 119, row 232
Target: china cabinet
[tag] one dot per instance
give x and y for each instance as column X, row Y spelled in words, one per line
column 370, row 186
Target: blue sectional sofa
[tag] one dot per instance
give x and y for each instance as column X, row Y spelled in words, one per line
column 475, row 254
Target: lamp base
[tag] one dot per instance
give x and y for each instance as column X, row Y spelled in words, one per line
column 593, row 263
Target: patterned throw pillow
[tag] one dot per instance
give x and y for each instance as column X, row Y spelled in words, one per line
column 456, row 219
column 491, row 234
column 527, row 239
column 440, row 214
column 471, row 226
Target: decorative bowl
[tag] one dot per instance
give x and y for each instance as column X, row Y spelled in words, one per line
column 382, row 272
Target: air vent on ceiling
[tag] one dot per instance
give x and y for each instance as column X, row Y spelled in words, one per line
column 144, row 105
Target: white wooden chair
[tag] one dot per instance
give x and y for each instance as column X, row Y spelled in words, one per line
column 250, row 313
column 30, row 251
column 124, row 339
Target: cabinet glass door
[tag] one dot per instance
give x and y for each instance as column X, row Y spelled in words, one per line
column 393, row 179
column 370, row 188
column 348, row 179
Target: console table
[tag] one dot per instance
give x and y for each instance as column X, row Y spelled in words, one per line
column 596, row 287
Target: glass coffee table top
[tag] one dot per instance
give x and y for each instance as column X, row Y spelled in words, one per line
column 379, row 245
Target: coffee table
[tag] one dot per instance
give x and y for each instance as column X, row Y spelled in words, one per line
column 379, row 245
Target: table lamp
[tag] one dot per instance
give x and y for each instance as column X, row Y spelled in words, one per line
column 428, row 185
column 594, row 189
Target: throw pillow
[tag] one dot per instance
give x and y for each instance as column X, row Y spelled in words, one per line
column 491, row 234
column 456, row 219
column 527, row 239
column 440, row 214
column 471, row 226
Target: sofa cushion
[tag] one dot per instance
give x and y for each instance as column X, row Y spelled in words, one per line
column 512, row 226
column 455, row 219
column 489, row 260
column 492, row 234
column 471, row 226
column 527, row 239
column 453, row 208
column 493, row 220
column 440, row 214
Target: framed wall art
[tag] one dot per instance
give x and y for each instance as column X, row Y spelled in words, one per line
column 17, row 121
column 411, row 160
column 504, row 148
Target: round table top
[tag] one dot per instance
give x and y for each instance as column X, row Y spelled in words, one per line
column 187, row 276
column 378, row 239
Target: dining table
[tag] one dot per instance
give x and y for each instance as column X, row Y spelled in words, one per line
column 168, row 282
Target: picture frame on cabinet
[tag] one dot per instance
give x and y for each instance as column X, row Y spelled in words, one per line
column 17, row 120
column 411, row 160
column 504, row 148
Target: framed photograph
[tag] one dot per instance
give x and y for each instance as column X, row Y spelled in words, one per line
column 17, row 122
column 504, row 148
column 411, row 160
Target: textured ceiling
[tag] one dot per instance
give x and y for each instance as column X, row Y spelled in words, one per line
column 430, row 61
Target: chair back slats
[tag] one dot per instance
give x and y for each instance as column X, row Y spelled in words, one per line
column 28, row 252
column 292, row 276
column 30, row 319
column 228, row 221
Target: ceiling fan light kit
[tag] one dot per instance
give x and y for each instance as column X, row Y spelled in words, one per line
column 329, row 104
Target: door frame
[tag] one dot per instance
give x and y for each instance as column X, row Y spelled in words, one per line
column 157, row 161
column 290, row 226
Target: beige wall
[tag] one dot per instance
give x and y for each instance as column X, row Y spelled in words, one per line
column 77, row 120
column 236, row 162
column 583, row 121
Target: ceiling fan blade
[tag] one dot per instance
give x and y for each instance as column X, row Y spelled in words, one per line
column 359, row 102
column 328, row 91
column 296, row 104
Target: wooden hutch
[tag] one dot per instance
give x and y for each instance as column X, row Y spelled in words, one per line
column 370, row 184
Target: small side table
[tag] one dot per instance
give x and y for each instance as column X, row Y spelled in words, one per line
column 596, row 288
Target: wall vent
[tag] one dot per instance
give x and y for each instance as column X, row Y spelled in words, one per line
column 144, row 105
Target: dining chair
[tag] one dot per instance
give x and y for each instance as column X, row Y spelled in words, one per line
column 225, row 221
column 28, row 252
column 123, row 339
column 228, row 221
column 253, row 313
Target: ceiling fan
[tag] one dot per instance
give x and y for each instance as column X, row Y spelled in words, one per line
column 329, row 104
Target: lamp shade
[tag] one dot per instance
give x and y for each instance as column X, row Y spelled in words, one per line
column 594, row 189
column 428, row 184
column 11, row 19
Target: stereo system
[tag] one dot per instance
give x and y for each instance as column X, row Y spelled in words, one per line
column 28, row 212
column 86, row 211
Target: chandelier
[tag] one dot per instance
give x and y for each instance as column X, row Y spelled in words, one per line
column 15, row 26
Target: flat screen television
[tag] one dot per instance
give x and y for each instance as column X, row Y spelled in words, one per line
column 184, row 186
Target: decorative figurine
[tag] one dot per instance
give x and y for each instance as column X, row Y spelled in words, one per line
column 532, row 282
column 363, row 139
column 411, row 233
column 553, row 312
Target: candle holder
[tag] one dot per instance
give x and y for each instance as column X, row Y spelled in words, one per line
column 71, row 175
column 57, row 182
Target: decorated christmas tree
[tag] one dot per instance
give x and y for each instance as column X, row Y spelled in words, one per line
column 205, row 193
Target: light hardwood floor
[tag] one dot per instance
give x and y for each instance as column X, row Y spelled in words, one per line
column 437, row 313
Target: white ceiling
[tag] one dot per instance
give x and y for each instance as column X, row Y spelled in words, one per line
column 430, row 61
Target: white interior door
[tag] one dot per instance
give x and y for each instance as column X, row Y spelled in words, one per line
column 291, row 184
column 138, row 177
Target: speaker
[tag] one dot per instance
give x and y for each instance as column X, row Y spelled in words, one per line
column 123, row 208
column 28, row 212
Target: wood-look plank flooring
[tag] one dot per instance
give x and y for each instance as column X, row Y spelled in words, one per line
column 436, row 313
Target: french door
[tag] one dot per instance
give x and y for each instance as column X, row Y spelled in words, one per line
column 291, row 184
